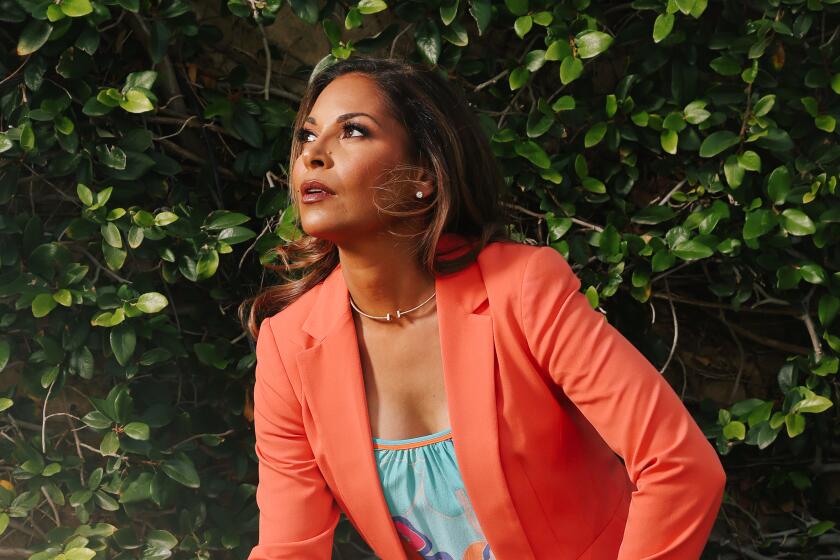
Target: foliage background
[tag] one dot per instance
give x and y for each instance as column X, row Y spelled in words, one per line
column 681, row 154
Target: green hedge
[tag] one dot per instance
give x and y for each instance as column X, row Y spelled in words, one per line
column 682, row 155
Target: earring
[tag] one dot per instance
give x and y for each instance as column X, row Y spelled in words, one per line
column 419, row 194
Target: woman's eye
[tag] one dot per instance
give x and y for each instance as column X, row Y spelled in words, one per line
column 346, row 129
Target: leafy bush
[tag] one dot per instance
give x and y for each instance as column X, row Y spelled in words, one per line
column 681, row 154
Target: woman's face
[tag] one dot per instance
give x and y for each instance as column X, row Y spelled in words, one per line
column 349, row 143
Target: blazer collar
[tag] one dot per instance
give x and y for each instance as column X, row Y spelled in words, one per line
column 333, row 384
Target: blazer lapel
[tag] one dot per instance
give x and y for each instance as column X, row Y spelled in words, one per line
column 333, row 383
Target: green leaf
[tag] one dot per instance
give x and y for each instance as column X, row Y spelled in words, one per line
column 165, row 218
column 517, row 7
column 564, row 103
column 482, row 13
column 652, row 215
column 161, row 539
column 810, row 104
column 353, row 19
column 123, row 342
column 735, row 430
column 835, row 83
column 427, row 39
column 136, row 102
column 109, row 444
column 797, row 222
column 662, row 26
column 570, row 69
column 764, row 105
column 181, row 469
column 759, row 222
column 518, row 77
column 725, row 66
column 76, row 8
column 137, row 430
column 97, row 420
column 778, row 184
column 595, row 134
column 685, row 6
column 592, row 43
column 825, row 122
column 692, row 250
column 448, row 12
column 733, row 171
column 6, row 403
column 42, row 304
column 766, row 435
column 27, row 138
column 306, row 10
column 111, row 235
column 827, row 310
column 610, row 105
column 368, row 7
column 5, row 353
column 33, row 37
column 534, row 153
column 558, row 50
column 695, row 112
column 137, row 490
column 223, row 219
column 717, row 142
column 669, row 139
column 543, row 18
column 523, row 25
column 594, row 185
column 81, row 553
column 591, row 294
column 750, row 161
column 795, row 424
column 64, row 297
column 535, row 60
column 151, row 302
column 820, row 528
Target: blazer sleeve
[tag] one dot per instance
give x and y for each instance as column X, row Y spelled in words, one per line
column 677, row 473
column 298, row 513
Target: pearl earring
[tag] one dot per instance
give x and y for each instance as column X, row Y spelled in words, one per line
column 419, row 194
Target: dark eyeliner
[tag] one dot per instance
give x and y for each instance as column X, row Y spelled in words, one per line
column 302, row 132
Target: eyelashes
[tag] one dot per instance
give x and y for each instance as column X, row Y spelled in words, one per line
column 302, row 133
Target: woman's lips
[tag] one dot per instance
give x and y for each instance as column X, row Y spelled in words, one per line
column 309, row 198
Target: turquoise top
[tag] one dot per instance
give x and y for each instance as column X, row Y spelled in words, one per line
column 427, row 498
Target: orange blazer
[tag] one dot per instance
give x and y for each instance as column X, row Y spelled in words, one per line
column 543, row 395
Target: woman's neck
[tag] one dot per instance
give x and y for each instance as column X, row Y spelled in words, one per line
column 383, row 275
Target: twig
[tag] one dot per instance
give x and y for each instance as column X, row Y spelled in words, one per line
column 52, row 506
column 18, row 69
column 197, row 436
column 267, row 51
column 676, row 329
column 183, row 125
column 677, row 187
column 44, row 419
column 809, row 324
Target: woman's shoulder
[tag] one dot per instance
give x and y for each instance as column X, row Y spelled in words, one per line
column 509, row 264
column 510, row 255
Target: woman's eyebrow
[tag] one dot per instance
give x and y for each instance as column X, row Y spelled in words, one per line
column 344, row 117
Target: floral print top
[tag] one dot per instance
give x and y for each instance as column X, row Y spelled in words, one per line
column 427, row 498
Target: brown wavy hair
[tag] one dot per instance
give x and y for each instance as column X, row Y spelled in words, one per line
column 449, row 144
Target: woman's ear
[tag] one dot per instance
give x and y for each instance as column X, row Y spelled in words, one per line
column 425, row 182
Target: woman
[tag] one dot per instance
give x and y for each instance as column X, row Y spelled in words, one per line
column 448, row 389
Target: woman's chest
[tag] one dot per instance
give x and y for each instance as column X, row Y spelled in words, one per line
column 404, row 383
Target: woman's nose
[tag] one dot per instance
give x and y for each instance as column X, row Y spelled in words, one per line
column 315, row 154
